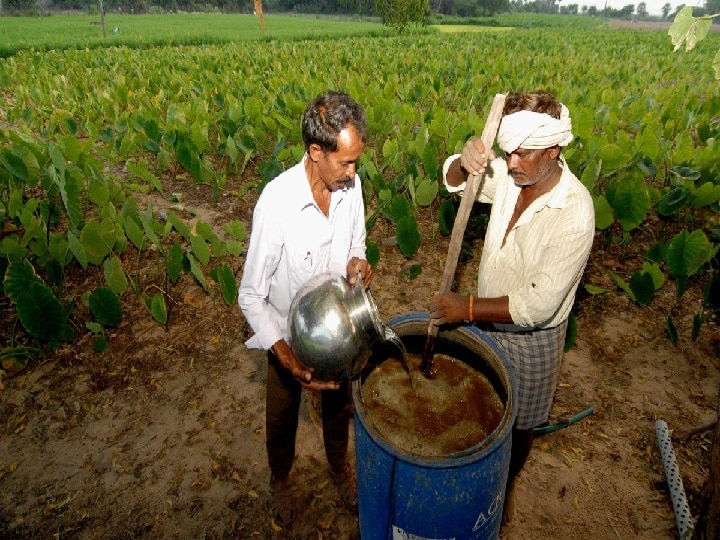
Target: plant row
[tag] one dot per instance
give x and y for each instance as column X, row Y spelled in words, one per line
column 87, row 134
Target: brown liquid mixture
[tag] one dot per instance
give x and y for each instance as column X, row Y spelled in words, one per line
column 454, row 411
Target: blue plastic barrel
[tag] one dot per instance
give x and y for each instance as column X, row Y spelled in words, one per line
column 458, row 496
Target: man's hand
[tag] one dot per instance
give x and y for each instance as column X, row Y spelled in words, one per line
column 359, row 266
column 474, row 157
column 301, row 373
column 449, row 308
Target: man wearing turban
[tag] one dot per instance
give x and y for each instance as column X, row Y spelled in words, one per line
column 537, row 244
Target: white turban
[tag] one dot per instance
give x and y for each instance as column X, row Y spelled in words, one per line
column 532, row 130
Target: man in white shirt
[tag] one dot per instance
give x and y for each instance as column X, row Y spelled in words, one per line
column 537, row 244
column 308, row 220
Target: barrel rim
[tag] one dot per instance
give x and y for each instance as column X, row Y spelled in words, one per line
column 469, row 455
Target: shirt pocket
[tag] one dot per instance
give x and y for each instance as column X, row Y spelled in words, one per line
column 305, row 261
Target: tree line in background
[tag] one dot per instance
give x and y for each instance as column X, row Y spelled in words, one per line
column 415, row 10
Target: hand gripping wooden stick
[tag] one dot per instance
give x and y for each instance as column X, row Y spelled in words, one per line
column 472, row 187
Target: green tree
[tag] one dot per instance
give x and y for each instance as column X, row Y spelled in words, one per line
column 666, row 10
column 399, row 14
column 641, row 10
column 15, row 7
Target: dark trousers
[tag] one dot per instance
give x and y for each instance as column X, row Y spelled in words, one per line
column 282, row 403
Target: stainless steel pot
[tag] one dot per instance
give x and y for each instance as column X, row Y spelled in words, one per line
column 333, row 327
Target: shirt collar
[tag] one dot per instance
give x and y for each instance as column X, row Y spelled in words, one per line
column 303, row 193
column 557, row 197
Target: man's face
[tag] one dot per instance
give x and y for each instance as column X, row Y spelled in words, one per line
column 337, row 169
column 529, row 167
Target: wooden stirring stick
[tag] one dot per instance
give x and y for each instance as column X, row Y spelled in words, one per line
column 472, row 187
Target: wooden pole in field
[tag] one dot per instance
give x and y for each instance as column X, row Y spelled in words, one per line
column 102, row 17
column 466, row 203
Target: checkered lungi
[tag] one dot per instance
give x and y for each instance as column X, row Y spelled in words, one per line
column 535, row 357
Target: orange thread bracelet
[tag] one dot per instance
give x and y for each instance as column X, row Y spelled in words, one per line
column 470, row 309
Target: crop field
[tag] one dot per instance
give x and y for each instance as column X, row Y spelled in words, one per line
column 91, row 124
column 80, row 31
column 94, row 129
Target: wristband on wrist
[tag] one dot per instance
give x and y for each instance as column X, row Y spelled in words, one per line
column 471, row 312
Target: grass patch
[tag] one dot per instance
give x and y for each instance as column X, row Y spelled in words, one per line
column 61, row 32
column 457, row 28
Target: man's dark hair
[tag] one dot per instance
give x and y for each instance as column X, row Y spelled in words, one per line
column 540, row 101
column 327, row 115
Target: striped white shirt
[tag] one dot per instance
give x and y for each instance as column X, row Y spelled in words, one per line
column 545, row 253
column 291, row 241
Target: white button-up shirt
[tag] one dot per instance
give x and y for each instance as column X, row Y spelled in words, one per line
column 291, row 241
column 544, row 256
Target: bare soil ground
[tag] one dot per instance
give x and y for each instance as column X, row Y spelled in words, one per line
column 162, row 436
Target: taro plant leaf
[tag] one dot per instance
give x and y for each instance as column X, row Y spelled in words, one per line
column 687, row 29
column 14, row 165
column 647, row 166
column 389, row 150
column 624, row 286
column 97, row 189
column 196, row 271
column 594, row 290
column 706, row 194
column 630, row 200
column 657, row 252
column 687, row 252
column 225, row 278
column 147, row 223
column 105, row 306
column 269, row 170
column 234, row 248
column 372, row 252
column 54, row 272
column 399, row 208
column 205, row 230
column 199, row 135
column 253, row 109
column 11, row 249
column 682, row 283
column 656, row 272
column 134, row 233
column 411, row 272
column 18, row 278
column 408, row 236
column 98, row 238
column 77, row 249
column 40, row 312
column 115, row 275
column 671, row 330
column 189, row 159
column 643, row 287
column 70, row 189
column 174, row 261
column 447, row 217
column 697, row 324
column 236, row 229
column 571, row 333
column 604, row 215
column 94, row 327
column 156, row 307
column 200, row 249
column 673, row 201
column 180, row 225
column 613, row 157
column 141, row 171
column 429, row 156
column 100, row 344
column 426, row 192
column 590, row 175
